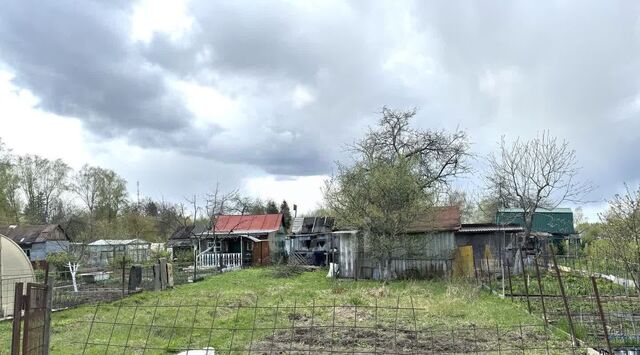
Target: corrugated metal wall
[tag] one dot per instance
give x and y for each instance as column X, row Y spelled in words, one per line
column 416, row 256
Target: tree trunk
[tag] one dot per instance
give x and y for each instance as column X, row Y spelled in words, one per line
column 73, row 269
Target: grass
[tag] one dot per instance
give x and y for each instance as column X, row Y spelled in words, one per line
column 619, row 304
column 186, row 314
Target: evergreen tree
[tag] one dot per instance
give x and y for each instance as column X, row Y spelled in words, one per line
column 271, row 207
column 286, row 214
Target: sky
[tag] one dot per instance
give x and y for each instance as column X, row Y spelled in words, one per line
column 263, row 96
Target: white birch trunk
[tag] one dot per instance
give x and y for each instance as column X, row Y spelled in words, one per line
column 73, row 269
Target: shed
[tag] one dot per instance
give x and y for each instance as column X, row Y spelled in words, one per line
column 311, row 241
column 426, row 250
column 38, row 241
column 488, row 240
column 103, row 252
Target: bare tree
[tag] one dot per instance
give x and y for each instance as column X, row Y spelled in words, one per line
column 10, row 203
column 540, row 173
column 42, row 181
column 87, row 184
column 439, row 155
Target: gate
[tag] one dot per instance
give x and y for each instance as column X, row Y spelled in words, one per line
column 36, row 317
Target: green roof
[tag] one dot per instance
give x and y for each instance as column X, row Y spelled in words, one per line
column 556, row 221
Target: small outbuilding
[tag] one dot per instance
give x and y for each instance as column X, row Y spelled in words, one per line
column 426, row 250
column 234, row 240
column 103, row 252
column 488, row 243
column 38, row 241
column 311, row 241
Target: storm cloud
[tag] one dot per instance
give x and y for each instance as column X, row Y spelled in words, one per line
column 296, row 81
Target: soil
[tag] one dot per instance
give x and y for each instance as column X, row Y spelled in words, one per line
column 380, row 340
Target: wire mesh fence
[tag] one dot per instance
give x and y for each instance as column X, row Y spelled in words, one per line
column 106, row 284
column 297, row 329
column 599, row 311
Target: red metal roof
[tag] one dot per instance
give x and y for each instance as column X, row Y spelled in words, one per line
column 248, row 223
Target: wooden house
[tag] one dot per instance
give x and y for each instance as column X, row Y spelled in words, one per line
column 235, row 241
column 38, row 241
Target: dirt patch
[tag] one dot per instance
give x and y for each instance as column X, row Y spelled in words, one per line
column 384, row 340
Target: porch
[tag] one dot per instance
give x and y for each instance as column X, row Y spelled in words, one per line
column 225, row 260
column 233, row 251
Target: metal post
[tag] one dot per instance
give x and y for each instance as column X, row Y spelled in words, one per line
column 195, row 262
column 524, row 277
column 486, row 257
column 544, row 309
column 509, row 278
column 564, row 298
column 602, row 318
column 475, row 269
column 123, row 272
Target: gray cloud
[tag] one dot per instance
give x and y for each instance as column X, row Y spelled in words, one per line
column 77, row 59
column 491, row 68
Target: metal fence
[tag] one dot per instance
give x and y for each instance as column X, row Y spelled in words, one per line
column 110, row 284
column 296, row 329
column 597, row 311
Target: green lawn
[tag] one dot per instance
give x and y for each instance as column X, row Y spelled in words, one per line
column 221, row 312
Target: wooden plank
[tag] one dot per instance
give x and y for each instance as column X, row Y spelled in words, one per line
column 47, row 314
column 27, row 307
column 17, row 318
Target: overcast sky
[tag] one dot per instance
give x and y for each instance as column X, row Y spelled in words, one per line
column 263, row 95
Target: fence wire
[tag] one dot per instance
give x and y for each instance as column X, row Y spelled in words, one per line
column 110, row 283
column 601, row 310
column 298, row 329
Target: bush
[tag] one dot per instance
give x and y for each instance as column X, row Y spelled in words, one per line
column 59, row 260
column 183, row 255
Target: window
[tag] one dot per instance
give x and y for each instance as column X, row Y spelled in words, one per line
column 250, row 246
column 217, row 246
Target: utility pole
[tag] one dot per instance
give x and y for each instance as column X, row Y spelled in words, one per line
column 138, row 193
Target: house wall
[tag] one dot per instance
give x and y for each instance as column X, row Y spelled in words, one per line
column 39, row 251
column 277, row 248
column 347, row 251
column 417, row 255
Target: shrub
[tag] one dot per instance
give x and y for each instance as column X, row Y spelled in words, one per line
column 59, row 260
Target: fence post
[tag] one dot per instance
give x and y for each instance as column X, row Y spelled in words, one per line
column 509, row 279
column 47, row 313
column 17, row 318
column 123, row 272
column 564, row 297
column 602, row 318
column 475, row 268
column 486, row 257
column 524, row 277
column 544, row 309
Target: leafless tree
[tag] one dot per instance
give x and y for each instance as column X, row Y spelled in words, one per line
column 86, row 184
column 540, row 173
column 440, row 156
column 42, row 181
